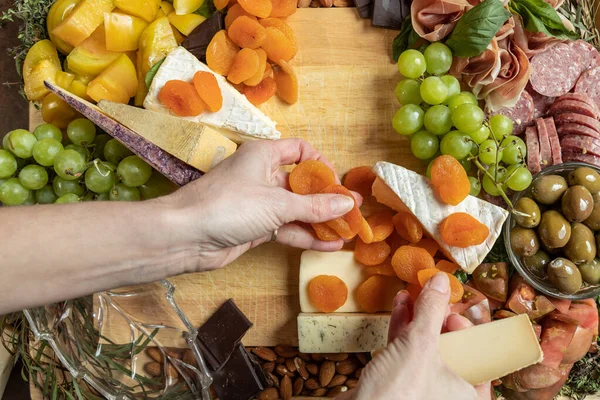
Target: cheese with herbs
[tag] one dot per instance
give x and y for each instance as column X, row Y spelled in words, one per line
column 403, row 189
column 238, row 119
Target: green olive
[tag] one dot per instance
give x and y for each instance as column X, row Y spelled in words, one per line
column 524, row 241
column 554, row 230
column 564, row 275
column 587, row 177
column 581, row 246
column 537, row 263
column 577, row 203
column 593, row 221
column 590, row 271
column 527, row 206
column 548, row 189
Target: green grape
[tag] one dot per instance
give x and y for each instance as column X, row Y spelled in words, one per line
column 466, row 164
column 453, row 86
column 80, row 149
column 407, row 120
column 69, row 164
column 45, row 150
column 33, row 177
column 501, row 126
column 433, row 90
column 81, row 131
column 488, row 184
column 89, row 196
column 489, row 152
column 12, row 193
column 68, row 199
column 133, row 171
column 480, row 135
column 428, row 171
column 424, row 145
column 407, row 92
column 514, row 150
column 100, row 177
column 46, row 195
column 8, row 164
column 62, row 187
column 48, row 131
column 468, row 117
column 456, row 144
column 98, row 144
column 475, row 186
column 438, row 120
column 114, row 151
column 5, row 141
column 21, row 143
column 438, row 58
column 120, row 192
column 102, row 197
column 411, row 64
column 157, row 186
column 461, row 98
column 31, row 199
column 518, row 177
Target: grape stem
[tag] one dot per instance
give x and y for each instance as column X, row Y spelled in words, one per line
column 109, row 168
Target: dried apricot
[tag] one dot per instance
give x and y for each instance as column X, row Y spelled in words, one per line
column 262, row 92
column 408, row 227
column 310, row 177
column 396, row 241
column 366, row 233
column 259, row 8
column 377, row 293
column 428, row 244
column 408, row 261
column 456, row 288
column 268, row 71
column 449, row 179
column 348, row 225
column 208, row 88
column 262, row 63
column 324, row 232
column 462, row 230
column 220, row 4
column 287, row 82
column 372, row 253
column 234, row 12
column 447, row 266
column 284, row 28
column 181, row 98
column 382, row 225
column 414, row 290
column 385, row 268
column 283, row 8
column 277, row 45
column 327, row 293
column 360, row 179
column 245, row 65
column 221, row 53
column 247, row 33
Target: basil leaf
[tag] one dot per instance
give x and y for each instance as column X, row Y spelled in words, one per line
column 207, row 9
column 405, row 39
column 150, row 75
column 539, row 16
column 477, row 27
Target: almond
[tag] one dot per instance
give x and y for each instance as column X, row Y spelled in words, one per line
column 298, row 386
column 301, row 367
column 336, row 356
column 326, row 373
column 285, row 388
column 268, row 366
column 363, row 358
column 347, row 367
column 272, row 379
column 155, row 354
column 336, row 391
column 303, row 3
column 326, row 3
column 337, row 380
column 312, row 368
column 280, row 360
column 286, row 351
column 343, row 3
column 269, row 394
column 358, row 372
column 153, row 368
column 174, row 352
column 189, row 358
column 264, row 353
column 304, row 356
column 312, row 384
column 351, row 383
column 172, row 371
column 317, row 357
column 318, row 392
column 282, row 370
column 291, row 366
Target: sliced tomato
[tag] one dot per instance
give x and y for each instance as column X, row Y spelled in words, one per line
column 491, row 279
column 474, row 306
column 579, row 346
column 545, row 393
column 586, row 312
column 556, row 337
column 536, row 376
column 524, row 300
column 562, row 305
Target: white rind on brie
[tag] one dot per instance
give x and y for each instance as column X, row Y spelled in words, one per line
column 402, row 189
column 237, row 114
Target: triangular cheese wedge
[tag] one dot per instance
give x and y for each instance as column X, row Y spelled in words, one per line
column 402, row 189
column 238, row 119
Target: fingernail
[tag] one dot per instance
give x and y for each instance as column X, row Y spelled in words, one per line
column 340, row 205
column 401, row 298
column 439, row 282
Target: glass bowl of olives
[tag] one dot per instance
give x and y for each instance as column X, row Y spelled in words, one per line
column 552, row 237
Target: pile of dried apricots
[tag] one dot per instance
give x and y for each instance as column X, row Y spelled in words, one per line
column 190, row 99
column 390, row 245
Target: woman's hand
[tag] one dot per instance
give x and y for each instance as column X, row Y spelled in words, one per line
column 410, row 367
column 241, row 202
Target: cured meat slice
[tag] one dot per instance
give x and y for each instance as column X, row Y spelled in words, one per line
column 533, row 149
column 578, row 119
column 545, row 149
column 554, row 142
column 521, row 113
column 590, row 57
column 541, row 103
column 582, row 144
column 584, row 98
column 589, row 84
column 578, row 156
column 577, row 129
column 573, row 106
column 562, row 61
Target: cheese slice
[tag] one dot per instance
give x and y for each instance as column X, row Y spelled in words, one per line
column 238, row 119
column 403, row 189
column 343, row 265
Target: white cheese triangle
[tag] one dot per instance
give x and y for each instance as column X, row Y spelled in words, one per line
column 403, row 189
column 238, row 119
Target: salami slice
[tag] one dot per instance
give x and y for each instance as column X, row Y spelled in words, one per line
column 577, row 129
column 584, row 98
column 533, row 149
column 589, row 54
column 573, row 106
column 578, row 119
column 521, row 113
column 554, row 142
column 581, row 144
column 545, row 149
column 589, row 84
column 586, row 158
column 541, row 103
column 562, row 61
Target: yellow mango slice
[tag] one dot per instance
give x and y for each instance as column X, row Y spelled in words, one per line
column 156, row 42
column 41, row 64
column 117, row 83
column 82, row 21
column 57, row 13
column 144, row 9
column 183, row 7
column 185, row 23
column 79, row 88
column 123, row 31
column 91, row 57
column 167, row 7
column 64, row 79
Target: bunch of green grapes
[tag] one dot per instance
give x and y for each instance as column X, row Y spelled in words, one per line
column 442, row 119
column 43, row 168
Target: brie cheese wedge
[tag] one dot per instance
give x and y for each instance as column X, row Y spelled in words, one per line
column 238, row 119
column 405, row 190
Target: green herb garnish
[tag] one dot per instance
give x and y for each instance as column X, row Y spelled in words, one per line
column 405, row 39
column 539, row 16
column 152, row 73
column 207, row 9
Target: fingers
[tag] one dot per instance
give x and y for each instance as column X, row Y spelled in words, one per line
column 293, row 151
column 456, row 322
column 316, row 207
column 401, row 315
column 431, row 305
column 484, row 391
column 296, row 236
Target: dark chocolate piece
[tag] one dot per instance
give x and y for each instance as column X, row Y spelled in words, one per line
column 197, row 42
column 220, row 335
column 364, row 7
column 387, row 14
column 242, row 377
